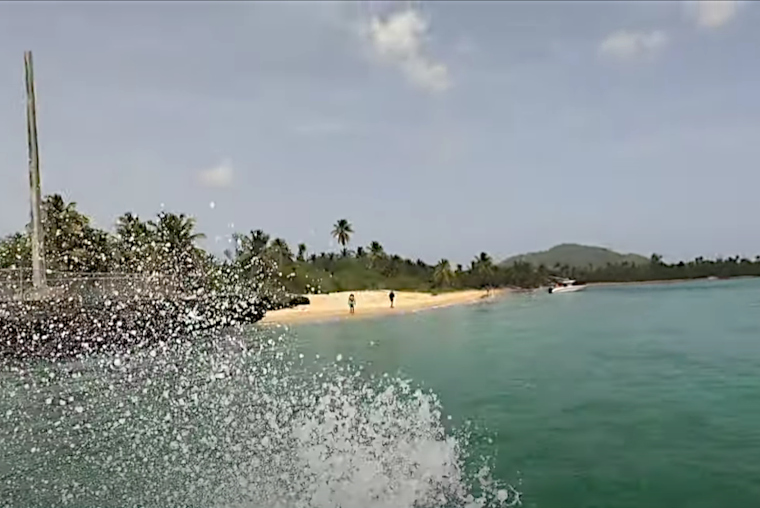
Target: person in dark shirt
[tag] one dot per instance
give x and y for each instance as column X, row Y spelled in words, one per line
column 351, row 303
column 392, row 297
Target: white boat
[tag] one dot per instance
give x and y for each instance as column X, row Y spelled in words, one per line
column 566, row 286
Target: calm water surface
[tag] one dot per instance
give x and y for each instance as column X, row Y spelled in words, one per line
column 616, row 397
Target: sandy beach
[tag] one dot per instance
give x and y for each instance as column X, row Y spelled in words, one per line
column 372, row 303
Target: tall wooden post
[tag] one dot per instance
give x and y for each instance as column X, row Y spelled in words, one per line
column 38, row 245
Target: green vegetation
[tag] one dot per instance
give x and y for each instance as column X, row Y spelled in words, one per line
column 655, row 269
column 597, row 264
column 577, row 256
column 167, row 245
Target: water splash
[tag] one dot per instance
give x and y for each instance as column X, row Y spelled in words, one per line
column 237, row 421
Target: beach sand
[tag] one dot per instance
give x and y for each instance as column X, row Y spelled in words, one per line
column 372, row 303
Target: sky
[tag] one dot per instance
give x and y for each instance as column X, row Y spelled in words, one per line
column 439, row 129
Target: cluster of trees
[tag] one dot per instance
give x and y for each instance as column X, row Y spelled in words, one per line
column 73, row 244
column 167, row 245
column 367, row 267
column 657, row 270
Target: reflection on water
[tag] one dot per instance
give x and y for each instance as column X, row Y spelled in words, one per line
column 237, row 421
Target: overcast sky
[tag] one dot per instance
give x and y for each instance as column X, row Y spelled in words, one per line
column 439, row 129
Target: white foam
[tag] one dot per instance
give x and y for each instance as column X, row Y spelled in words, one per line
column 230, row 423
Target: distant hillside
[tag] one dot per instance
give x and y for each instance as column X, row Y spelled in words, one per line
column 574, row 255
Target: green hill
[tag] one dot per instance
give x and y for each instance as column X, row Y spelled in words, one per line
column 574, row 255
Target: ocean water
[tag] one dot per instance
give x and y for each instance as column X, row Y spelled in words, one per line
column 615, row 397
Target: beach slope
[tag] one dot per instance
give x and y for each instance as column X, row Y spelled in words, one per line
column 372, row 303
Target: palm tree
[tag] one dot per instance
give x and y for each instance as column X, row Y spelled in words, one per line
column 442, row 275
column 61, row 221
column 484, row 268
column 176, row 235
column 376, row 252
column 96, row 251
column 65, row 231
column 259, row 241
column 177, row 231
column 342, row 231
column 54, row 207
column 301, row 252
column 248, row 247
column 133, row 242
column 484, row 259
column 130, row 228
column 280, row 251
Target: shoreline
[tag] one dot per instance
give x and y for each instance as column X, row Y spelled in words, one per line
column 375, row 303
column 667, row 281
column 642, row 282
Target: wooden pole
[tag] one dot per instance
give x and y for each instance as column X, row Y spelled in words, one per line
column 38, row 245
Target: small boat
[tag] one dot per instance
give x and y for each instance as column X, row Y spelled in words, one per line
column 566, row 286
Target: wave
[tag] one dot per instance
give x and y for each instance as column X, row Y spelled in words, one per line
column 232, row 421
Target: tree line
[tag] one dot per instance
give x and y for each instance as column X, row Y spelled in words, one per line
column 656, row 269
column 167, row 244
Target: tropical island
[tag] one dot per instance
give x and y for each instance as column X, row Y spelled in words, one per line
column 168, row 245
column 64, row 272
column 149, row 281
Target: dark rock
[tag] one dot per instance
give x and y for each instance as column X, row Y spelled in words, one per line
column 57, row 328
column 298, row 300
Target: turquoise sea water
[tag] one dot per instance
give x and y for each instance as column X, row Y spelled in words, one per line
column 615, row 397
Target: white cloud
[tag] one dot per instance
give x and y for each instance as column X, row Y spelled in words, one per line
column 219, row 176
column 714, row 13
column 400, row 38
column 627, row 45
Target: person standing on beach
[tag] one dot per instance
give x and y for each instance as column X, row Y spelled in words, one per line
column 351, row 303
column 392, row 297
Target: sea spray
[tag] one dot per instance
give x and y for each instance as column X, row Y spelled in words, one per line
column 229, row 421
